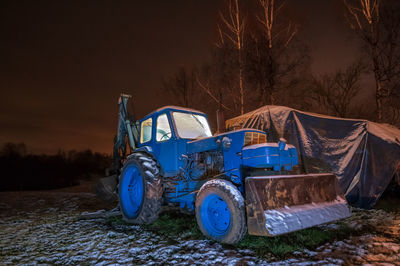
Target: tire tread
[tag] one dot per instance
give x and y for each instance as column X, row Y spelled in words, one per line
column 151, row 206
column 239, row 214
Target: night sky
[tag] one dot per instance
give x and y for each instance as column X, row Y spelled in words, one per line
column 64, row 63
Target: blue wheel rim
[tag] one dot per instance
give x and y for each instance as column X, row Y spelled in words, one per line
column 131, row 191
column 215, row 215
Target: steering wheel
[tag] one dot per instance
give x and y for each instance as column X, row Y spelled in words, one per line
column 165, row 135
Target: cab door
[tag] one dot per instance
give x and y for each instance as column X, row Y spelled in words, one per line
column 165, row 145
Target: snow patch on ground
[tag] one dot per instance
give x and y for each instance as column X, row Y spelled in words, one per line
column 55, row 235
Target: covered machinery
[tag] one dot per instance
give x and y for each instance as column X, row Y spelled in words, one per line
column 364, row 155
column 234, row 182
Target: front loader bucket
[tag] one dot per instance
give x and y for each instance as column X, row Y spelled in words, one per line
column 278, row 205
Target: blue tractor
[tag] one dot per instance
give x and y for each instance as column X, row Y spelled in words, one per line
column 233, row 181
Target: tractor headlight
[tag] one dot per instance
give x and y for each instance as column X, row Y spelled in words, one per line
column 226, row 143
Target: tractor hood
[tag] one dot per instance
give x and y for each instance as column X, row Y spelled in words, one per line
column 233, row 139
column 270, row 155
column 249, row 148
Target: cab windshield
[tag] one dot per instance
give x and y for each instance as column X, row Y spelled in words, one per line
column 191, row 126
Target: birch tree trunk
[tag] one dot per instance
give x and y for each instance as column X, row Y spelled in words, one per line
column 364, row 18
column 235, row 25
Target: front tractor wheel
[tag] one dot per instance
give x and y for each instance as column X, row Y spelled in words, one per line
column 140, row 189
column 220, row 211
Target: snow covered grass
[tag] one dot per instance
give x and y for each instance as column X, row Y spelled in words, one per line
column 170, row 224
column 46, row 228
column 174, row 225
column 284, row 245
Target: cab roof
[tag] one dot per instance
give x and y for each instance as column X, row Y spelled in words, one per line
column 174, row 108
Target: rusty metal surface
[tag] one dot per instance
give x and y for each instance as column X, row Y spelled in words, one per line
column 281, row 204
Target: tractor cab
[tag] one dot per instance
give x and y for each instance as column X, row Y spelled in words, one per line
column 165, row 132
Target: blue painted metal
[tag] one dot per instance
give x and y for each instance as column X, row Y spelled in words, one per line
column 168, row 153
column 187, row 164
column 270, row 155
column 131, row 194
column 215, row 215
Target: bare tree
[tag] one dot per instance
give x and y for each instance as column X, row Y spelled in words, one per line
column 273, row 55
column 337, row 91
column 181, row 86
column 211, row 92
column 196, row 88
column 390, row 60
column 377, row 23
column 216, row 94
column 267, row 20
column 235, row 28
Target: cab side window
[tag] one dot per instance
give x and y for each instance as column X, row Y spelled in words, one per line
column 145, row 130
column 163, row 132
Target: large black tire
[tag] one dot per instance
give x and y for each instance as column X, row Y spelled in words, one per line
column 140, row 189
column 220, row 211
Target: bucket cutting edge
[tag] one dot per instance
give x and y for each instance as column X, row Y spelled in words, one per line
column 281, row 204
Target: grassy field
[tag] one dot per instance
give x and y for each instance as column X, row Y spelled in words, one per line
column 173, row 224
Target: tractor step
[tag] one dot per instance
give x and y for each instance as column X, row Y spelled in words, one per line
column 278, row 205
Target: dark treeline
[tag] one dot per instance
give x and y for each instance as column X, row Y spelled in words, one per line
column 24, row 171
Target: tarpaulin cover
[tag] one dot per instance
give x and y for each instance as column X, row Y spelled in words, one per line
column 364, row 155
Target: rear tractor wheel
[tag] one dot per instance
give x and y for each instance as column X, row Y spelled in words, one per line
column 220, row 211
column 140, row 189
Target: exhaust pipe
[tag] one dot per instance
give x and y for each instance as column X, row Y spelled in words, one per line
column 220, row 121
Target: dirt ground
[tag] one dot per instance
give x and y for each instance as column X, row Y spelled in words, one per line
column 44, row 227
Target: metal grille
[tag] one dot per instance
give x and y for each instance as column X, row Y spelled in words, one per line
column 251, row 138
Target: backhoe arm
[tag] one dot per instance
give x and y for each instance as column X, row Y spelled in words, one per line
column 127, row 129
